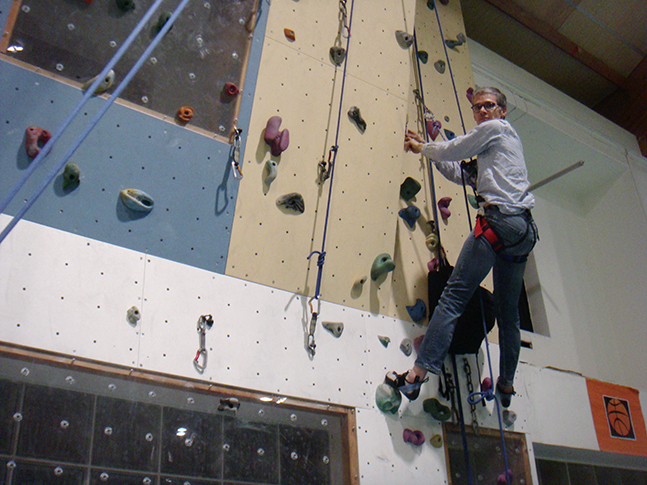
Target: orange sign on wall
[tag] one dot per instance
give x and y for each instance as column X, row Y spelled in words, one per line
column 618, row 418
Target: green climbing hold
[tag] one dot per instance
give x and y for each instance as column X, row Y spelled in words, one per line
column 423, row 56
column 71, row 176
column 382, row 265
column 409, row 188
column 436, row 441
column 161, row 21
column 271, row 171
column 387, row 398
column 439, row 411
column 125, row 5
column 431, row 4
column 440, row 66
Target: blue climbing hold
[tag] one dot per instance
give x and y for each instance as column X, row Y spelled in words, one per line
column 450, row 134
column 410, row 215
column 418, row 311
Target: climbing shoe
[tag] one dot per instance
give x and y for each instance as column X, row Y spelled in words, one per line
column 399, row 381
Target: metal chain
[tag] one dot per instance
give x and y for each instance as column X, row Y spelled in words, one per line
column 470, row 390
column 343, row 22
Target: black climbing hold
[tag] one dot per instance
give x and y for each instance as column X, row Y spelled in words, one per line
column 460, row 40
column 161, row 21
column 355, row 115
column 71, row 176
column 404, row 39
column 228, row 404
column 409, row 188
column 293, row 202
column 418, row 311
column 431, row 4
column 125, row 5
column 450, row 134
column 440, row 66
column 337, row 55
column 410, row 215
column 423, row 56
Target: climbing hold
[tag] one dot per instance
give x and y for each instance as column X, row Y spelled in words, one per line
column 228, row 404
column 486, row 385
column 470, row 94
column 444, row 2
column 384, row 340
column 356, row 116
column 125, row 5
column 71, row 176
column 503, row 479
column 161, row 21
column 439, row 411
column 410, row 215
column 460, row 40
column 414, row 437
column 104, row 85
column 133, row 315
column 450, row 134
column 436, row 441
column 278, row 140
column 471, row 198
column 289, row 34
column 423, row 56
column 270, row 169
column 387, row 398
column 431, row 241
column 440, row 66
column 231, row 89
column 337, row 55
column 360, row 281
column 293, row 202
column 185, row 113
column 443, row 207
column 409, row 188
column 433, row 265
column 137, row 200
column 509, row 417
column 433, row 128
column 34, row 139
column 336, row 328
column 417, row 342
column 406, row 346
column 404, row 39
column 381, row 265
column 418, row 311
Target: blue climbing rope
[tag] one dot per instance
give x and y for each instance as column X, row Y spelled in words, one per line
column 86, row 97
column 321, row 259
column 48, row 179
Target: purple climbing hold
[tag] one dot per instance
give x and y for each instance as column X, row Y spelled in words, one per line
column 418, row 311
column 486, row 385
column 410, row 215
column 503, row 480
column 443, row 207
column 277, row 140
column 433, row 265
column 414, row 437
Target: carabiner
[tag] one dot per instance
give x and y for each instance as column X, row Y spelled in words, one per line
column 235, row 165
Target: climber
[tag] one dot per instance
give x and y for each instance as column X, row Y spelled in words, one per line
column 504, row 235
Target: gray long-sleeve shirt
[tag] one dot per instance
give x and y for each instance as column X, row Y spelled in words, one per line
column 502, row 174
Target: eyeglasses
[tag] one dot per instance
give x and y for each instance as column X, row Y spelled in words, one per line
column 488, row 105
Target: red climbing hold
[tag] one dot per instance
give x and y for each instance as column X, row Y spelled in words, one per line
column 231, row 89
column 414, row 437
column 433, row 128
column 35, row 137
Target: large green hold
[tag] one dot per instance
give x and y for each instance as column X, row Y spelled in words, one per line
column 71, row 176
column 436, row 409
column 387, row 398
column 409, row 188
column 382, row 265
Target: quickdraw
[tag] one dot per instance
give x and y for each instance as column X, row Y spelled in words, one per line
column 324, row 168
column 235, row 155
column 205, row 322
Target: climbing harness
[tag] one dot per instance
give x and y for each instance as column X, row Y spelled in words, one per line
column 235, row 154
column 205, row 322
column 345, row 24
column 87, row 95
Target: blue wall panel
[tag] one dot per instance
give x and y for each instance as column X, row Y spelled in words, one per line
column 188, row 174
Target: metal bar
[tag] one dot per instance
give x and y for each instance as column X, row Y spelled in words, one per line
column 556, row 175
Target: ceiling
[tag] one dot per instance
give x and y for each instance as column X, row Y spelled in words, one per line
column 595, row 51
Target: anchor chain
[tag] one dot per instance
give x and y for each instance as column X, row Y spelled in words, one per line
column 205, row 322
column 470, row 389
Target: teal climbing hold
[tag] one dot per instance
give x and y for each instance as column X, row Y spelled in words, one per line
column 381, row 265
column 410, row 215
column 71, row 176
column 431, row 4
column 418, row 311
column 423, row 56
column 450, row 134
column 439, row 411
column 384, row 340
column 137, row 200
column 409, row 188
column 387, row 398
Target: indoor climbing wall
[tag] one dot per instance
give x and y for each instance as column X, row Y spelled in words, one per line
column 299, row 83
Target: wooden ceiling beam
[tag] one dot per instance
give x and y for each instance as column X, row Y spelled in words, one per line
column 551, row 34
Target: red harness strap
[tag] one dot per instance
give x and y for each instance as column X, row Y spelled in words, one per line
column 482, row 227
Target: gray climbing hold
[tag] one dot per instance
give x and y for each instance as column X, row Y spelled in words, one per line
column 133, row 315
column 71, row 176
column 337, row 55
column 137, row 200
column 460, row 40
column 271, row 171
column 293, row 202
column 384, row 340
column 336, row 328
column 381, row 265
column 440, row 66
column 509, row 417
column 404, row 39
column 406, row 346
column 355, row 115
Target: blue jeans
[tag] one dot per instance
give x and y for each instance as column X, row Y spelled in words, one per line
column 518, row 234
